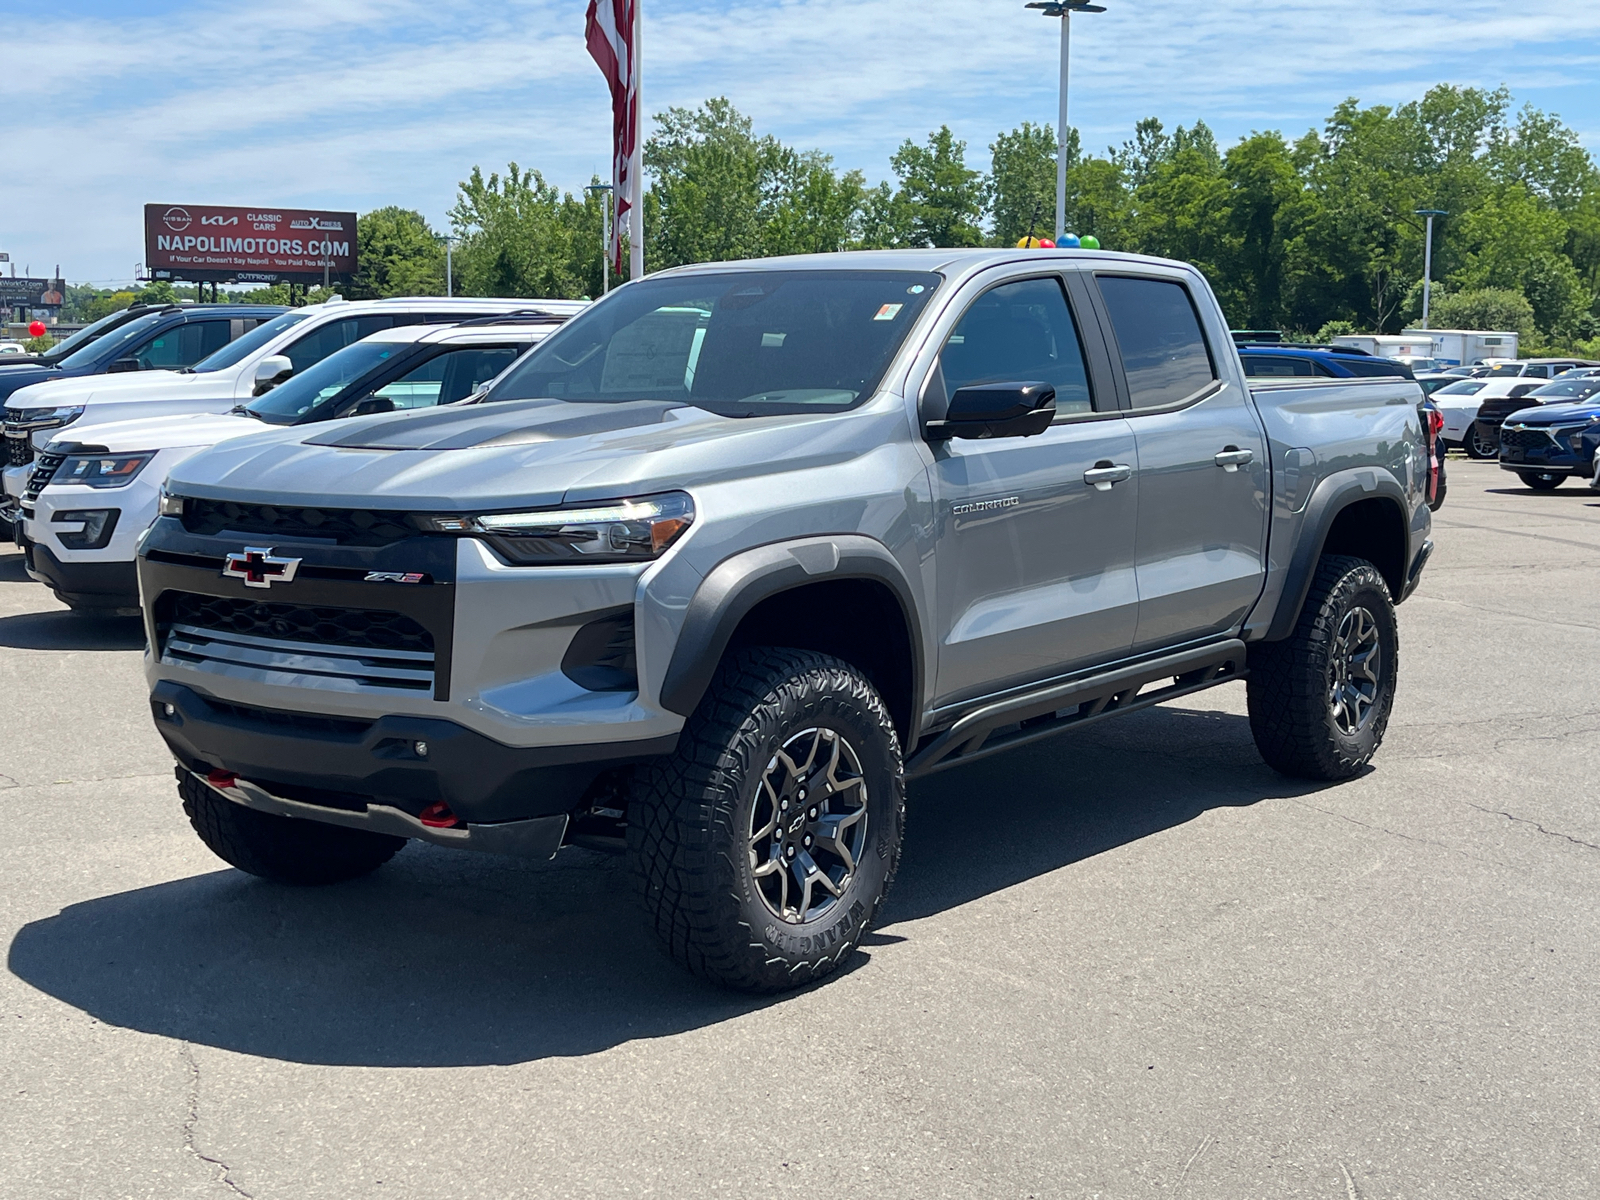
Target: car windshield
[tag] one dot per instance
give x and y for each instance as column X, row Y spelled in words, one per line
column 1467, row 387
column 83, row 337
column 247, row 344
column 739, row 343
column 1571, row 389
column 1501, row 370
column 115, row 342
column 299, row 394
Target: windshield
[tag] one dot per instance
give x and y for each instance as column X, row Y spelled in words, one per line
column 739, row 343
column 247, row 344
column 83, row 337
column 1571, row 389
column 117, row 342
column 1501, row 370
column 299, row 394
column 1466, row 387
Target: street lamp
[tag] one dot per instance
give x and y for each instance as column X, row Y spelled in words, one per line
column 449, row 244
column 605, row 234
column 1427, row 259
column 1063, row 9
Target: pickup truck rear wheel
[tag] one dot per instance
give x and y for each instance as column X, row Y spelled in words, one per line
column 282, row 849
column 765, row 844
column 1320, row 699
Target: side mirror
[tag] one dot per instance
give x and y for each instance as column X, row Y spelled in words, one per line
column 271, row 371
column 128, row 363
column 372, row 404
column 993, row 410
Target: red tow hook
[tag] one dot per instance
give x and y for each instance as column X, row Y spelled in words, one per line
column 439, row 816
column 222, row 779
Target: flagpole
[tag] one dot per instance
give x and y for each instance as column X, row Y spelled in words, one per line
column 636, row 213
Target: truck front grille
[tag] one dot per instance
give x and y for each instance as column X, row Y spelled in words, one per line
column 19, row 449
column 343, row 648
column 41, row 475
column 345, row 526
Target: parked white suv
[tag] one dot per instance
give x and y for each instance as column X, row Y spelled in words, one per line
column 92, row 494
column 246, row 367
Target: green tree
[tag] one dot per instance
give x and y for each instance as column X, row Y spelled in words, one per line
column 519, row 237
column 943, row 196
column 1483, row 308
column 1021, row 188
column 397, row 254
column 713, row 183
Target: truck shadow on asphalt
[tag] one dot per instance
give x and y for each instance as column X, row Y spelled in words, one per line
column 63, row 629
column 451, row 959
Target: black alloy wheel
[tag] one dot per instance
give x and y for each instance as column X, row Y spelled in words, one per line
column 808, row 825
column 1355, row 667
column 1482, row 441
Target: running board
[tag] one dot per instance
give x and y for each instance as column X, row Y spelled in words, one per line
column 1031, row 716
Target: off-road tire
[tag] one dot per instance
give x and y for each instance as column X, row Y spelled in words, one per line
column 690, row 817
column 1481, row 442
column 1291, row 713
column 1540, row 481
column 282, row 849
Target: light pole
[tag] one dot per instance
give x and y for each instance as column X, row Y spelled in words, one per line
column 605, row 233
column 1063, row 9
column 449, row 244
column 1427, row 259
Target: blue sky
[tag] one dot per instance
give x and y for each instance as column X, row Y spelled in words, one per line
column 355, row 103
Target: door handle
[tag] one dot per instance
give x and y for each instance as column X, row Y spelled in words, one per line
column 1231, row 458
column 1105, row 473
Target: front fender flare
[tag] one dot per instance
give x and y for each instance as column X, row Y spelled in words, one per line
column 738, row 583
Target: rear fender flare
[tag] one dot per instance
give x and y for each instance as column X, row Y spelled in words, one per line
column 1331, row 497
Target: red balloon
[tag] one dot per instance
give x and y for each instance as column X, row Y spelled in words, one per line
column 36, row 329
column 1046, row 244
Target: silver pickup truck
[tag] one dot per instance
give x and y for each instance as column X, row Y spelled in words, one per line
column 742, row 548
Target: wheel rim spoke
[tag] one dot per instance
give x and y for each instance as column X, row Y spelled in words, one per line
column 1355, row 670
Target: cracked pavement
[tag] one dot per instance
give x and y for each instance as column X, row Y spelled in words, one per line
column 1131, row 963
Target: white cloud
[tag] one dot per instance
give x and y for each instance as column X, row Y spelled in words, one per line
column 364, row 102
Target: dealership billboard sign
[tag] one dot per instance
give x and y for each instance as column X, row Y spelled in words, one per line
column 263, row 245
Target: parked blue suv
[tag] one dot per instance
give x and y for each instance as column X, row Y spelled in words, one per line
column 169, row 338
column 1558, row 438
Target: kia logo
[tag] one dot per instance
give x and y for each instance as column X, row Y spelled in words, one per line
column 177, row 219
column 214, row 220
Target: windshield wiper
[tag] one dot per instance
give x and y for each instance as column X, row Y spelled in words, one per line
column 240, row 410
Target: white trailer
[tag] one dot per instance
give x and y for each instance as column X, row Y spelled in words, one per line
column 1411, row 344
column 1464, row 347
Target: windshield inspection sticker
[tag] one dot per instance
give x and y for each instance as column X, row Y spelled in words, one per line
column 888, row 312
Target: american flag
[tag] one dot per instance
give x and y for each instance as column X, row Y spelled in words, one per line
column 609, row 31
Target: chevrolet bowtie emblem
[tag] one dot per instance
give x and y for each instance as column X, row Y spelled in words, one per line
column 258, row 568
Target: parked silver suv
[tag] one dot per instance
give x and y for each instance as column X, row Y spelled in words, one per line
column 742, row 547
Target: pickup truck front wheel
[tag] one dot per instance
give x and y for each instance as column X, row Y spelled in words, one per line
column 1320, row 699
column 766, row 843
column 282, row 849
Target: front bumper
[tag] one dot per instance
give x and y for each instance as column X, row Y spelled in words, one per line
column 345, row 765
column 113, row 586
column 1532, row 448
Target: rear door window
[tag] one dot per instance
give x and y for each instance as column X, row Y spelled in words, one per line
column 1164, row 353
column 183, row 345
column 1019, row 333
column 335, row 335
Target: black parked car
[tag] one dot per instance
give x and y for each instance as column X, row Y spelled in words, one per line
column 165, row 338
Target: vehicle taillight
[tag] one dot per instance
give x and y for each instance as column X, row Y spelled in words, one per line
column 1435, row 451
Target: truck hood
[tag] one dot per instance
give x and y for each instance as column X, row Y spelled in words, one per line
column 126, row 388
column 162, row 433
column 521, row 452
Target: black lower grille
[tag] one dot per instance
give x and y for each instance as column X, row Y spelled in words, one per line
column 1524, row 439
column 346, row 526
column 355, row 628
column 41, row 475
column 19, row 451
column 273, row 718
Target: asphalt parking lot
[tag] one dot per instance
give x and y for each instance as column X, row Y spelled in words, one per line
column 1133, row 963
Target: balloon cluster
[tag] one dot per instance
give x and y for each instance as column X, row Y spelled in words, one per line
column 1069, row 241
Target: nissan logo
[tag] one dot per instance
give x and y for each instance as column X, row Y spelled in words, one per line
column 177, row 219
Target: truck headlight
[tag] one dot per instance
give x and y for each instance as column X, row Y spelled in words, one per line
column 169, row 505
column 618, row 531
column 43, row 418
column 102, row 470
